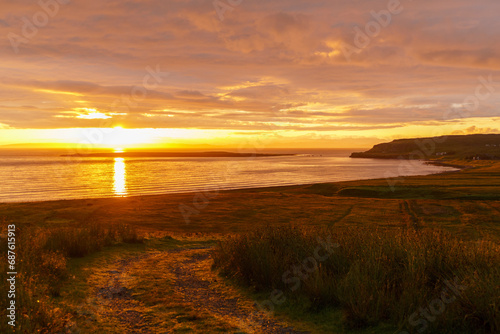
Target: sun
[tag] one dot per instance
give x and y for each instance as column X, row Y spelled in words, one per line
column 120, row 138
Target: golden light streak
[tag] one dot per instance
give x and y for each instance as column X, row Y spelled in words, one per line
column 263, row 82
column 120, row 178
column 50, row 91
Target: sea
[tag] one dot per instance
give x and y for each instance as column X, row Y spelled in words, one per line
column 29, row 176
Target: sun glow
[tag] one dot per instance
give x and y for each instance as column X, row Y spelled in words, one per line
column 94, row 115
column 119, row 138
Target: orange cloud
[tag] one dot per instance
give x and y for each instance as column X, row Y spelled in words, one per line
column 268, row 66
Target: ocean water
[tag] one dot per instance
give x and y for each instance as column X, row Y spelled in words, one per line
column 27, row 177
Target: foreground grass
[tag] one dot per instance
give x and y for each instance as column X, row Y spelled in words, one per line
column 417, row 281
column 42, row 256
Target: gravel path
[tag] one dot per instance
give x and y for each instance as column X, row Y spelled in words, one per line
column 196, row 285
column 116, row 300
column 193, row 281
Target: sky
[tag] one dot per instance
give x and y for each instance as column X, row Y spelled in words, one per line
column 228, row 73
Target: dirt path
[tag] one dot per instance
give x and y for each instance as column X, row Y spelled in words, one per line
column 407, row 209
column 342, row 216
column 111, row 307
column 196, row 299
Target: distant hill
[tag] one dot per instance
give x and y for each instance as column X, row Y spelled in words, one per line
column 468, row 147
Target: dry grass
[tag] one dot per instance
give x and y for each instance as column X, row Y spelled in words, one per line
column 41, row 263
column 375, row 275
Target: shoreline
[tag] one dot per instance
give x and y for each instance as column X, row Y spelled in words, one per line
column 356, row 155
column 445, row 164
column 249, row 189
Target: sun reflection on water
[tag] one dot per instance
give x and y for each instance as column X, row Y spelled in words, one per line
column 120, row 177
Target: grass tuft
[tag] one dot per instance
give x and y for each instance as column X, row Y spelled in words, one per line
column 41, row 264
column 375, row 276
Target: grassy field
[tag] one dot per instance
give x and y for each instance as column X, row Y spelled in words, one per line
column 60, row 242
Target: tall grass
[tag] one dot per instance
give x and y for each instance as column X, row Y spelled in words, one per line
column 374, row 276
column 42, row 255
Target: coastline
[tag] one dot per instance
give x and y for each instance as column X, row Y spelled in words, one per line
column 446, row 164
column 399, row 157
column 272, row 188
column 287, row 187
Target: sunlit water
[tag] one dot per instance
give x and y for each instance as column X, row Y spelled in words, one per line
column 41, row 178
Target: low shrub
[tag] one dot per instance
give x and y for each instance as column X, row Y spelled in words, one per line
column 375, row 276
